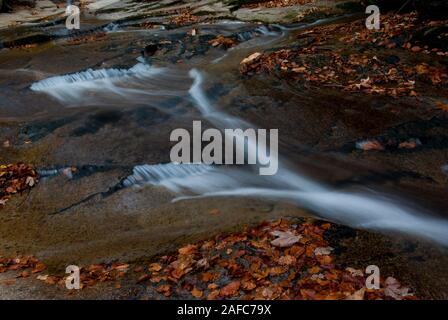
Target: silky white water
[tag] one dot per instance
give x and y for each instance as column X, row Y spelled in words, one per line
column 367, row 210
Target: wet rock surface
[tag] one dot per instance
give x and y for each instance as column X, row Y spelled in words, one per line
column 87, row 216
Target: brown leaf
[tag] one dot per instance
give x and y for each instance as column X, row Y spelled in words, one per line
column 357, row 295
column 285, row 239
column 251, row 58
column 231, row 289
column 297, row 251
column 155, row 267
column 248, row 285
column 287, row 260
column 196, row 293
column 188, row 249
column 212, row 286
column 277, row 270
column 143, row 277
column 394, row 289
column 121, row 267
column 368, row 145
column 323, row 251
column 165, row 289
column 442, row 106
column 39, row 268
column 314, row 270
column 207, row 276
column 213, row 295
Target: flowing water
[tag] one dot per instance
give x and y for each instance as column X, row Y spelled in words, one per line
column 149, row 83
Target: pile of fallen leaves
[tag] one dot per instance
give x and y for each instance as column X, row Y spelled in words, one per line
column 277, row 260
column 92, row 275
column 185, row 17
column 89, row 276
column 276, row 3
column 223, row 42
column 324, row 59
column 15, row 178
column 98, row 36
column 22, row 263
column 397, row 31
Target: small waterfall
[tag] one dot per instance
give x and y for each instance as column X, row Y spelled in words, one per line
column 105, row 86
column 169, row 175
column 89, row 75
column 267, row 31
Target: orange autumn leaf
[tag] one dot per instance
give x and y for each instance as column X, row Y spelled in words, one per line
column 188, row 249
column 442, row 106
column 230, row 290
column 213, row 295
column 207, row 276
column 196, row 293
column 314, row 270
column 287, row 260
column 155, row 267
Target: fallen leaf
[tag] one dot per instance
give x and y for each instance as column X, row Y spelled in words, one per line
column 196, row 293
column 165, row 289
column 251, row 58
column 143, row 277
column 230, row 290
column 355, row 272
column 42, row 277
column 188, row 249
column 394, row 289
column 314, row 270
column 285, row 239
column 248, row 285
column 155, row 267
column 323, row 251
column 39, row 268
column 442, row 106
column 357, row 295
column 368, row 145
column 410, row 144
column 213, row 295
column 287, row 260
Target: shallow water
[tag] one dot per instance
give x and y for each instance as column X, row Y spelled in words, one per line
column 110, row 74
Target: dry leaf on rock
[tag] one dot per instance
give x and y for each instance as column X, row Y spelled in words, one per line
column 230, row 290
column 285, row 239
column 323, row 251
column 358, row 295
